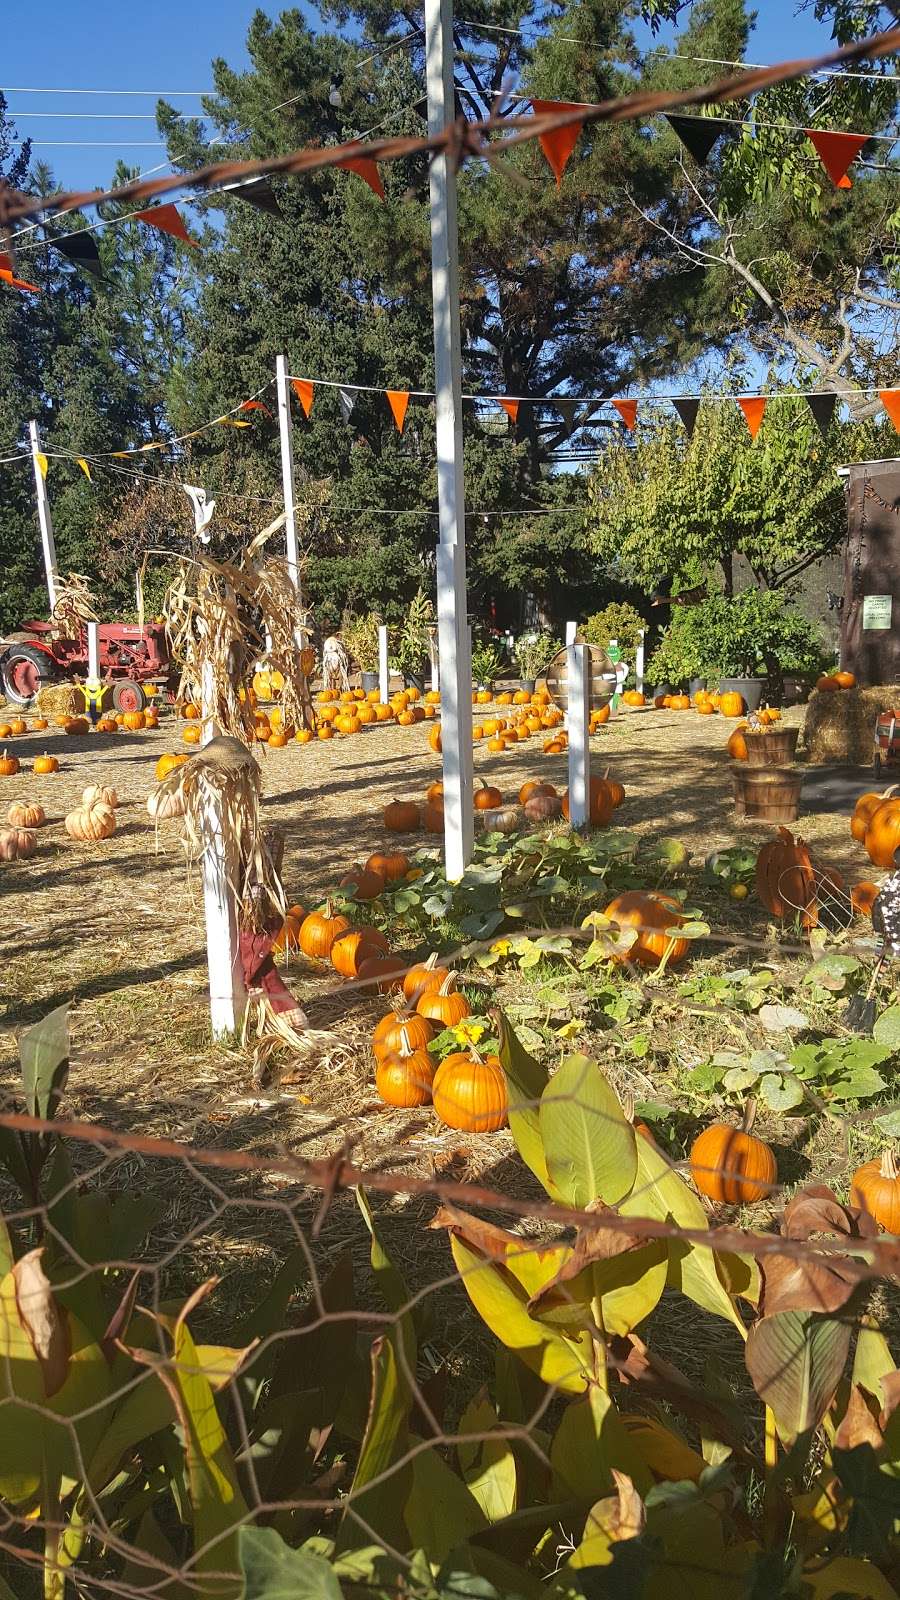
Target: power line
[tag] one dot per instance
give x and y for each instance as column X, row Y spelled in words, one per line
column 172, row 94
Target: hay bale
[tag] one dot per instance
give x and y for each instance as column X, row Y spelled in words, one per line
column 840, row 723
column 59, row 699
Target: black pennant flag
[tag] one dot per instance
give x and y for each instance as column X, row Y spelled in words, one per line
column 80, row 249
column 697, row 134
column 259, row 193
column 822, row 407
column 687, row 410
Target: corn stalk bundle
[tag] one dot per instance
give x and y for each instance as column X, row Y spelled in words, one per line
column 73, row 607
column 289, row 650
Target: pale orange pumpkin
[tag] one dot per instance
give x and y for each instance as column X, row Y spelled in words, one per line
column 99, row 794
column 87, row 824
column 26, row 814
column 17, row 844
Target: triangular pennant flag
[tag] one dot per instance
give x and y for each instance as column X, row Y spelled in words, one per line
column 627, row 410
column 511, row 407
column 365, row 168
column 558, row 145
column 687, row 410
column 698, row 135
column 80, row 249
column 168, row 219
column 346, row 401
column 304, row 390
column 80, row 461
column 567, row 410
column 17, row 283
column 836, row 151
column 231, row 422
column 890, row 399
column 260, row 194
column 41, row 460
column 822, row 407
column 254, row 405
column 753, row 407
column 398, row 400
column 121, row 455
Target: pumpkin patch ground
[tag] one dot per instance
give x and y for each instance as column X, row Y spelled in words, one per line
column 113, row 926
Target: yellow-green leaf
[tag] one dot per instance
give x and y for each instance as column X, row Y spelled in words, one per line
column 500, row 1300
column 589, row 1144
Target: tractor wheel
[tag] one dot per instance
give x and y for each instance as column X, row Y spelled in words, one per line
column 25, row 671
column 128, row 695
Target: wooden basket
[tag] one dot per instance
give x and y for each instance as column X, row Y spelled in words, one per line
column 774, row 748
column 767, row 794
column 602, row 678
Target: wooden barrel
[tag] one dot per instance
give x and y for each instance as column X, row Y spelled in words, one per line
column 602, row 678
column 768, row 794
column 774, row 748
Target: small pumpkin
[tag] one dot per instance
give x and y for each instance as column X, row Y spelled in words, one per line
column 543, row 807
column 319, row 930
column 190, row 711
column 17, row 844
column 730, row 1165
column 26, row 814
column 845, row 680
column 434, row 739
column 351, row 949
column 134, row 720
column 366, row 884
column 434, row 794
column 787, row 879
column 487, row 797
column 402, row 816
column 653, row 914
column 469, row 1092
column 164, row 805
column 737, row 744
column 167, row 764
column 387, row 1033
column 381, row 973
column 404, row 1076
column 304, row 736
column 875, row 1187
column 732, row 705
column 392, row 865
column 424, row 978
column 863, row 896
column 277, row 741
column 828, row 683
column 39, row 724
column 18, row 725
column 433, row 817
column 191, row 733
column 9, row 765
column 99, row 794
column 600, row 806
column 288, row 936
column 107, row 725
column 46, row 763
column 5, row 730
column 444, row 1005
column 501, row 819
column 76, row 726
column 325, row 731
column 90, row 823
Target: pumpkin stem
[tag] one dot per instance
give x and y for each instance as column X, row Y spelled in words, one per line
column 431, row 962
column 449, row 984
column 749, row 1116
column 889, row 1165
column 406, row 1048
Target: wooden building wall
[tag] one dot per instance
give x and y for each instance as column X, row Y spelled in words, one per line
column 870, row 619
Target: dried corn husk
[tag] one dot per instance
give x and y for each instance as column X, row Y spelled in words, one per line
column 74, row 606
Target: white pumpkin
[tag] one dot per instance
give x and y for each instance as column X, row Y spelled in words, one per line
column 162, row 807
column 98, row 793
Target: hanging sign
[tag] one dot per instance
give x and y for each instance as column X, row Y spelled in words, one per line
column 877, row 609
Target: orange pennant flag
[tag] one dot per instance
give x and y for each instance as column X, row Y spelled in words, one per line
column 753, row 407
column 398, row 400
column 254, row 405
column 890, row 399
column 303, row 389
column 365, row 168
column 511, row 407
column 836, row 151
column 558, row 145
column 627, row 410
column 168, row 219
column 17, row 283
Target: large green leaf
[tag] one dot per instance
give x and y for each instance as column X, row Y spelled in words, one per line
column 872, row 1361
column 153, row 1556
column 589, row 1143
column 488, row 1465
column 217, row 1503
column 840, row 1576
column 44, row 1057
column 273, row 1571
column 627, row 1286
column 392, row 1288
column 589, row 1442
column 796, row 1360
column 373, row 1508
column 660, row 1193
column 526, row 1080
column 501, row 1301
column 440, row 1511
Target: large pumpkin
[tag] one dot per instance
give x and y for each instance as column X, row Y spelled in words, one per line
column 882, row 837
column 737, row 744
column 318, row 932
column 788, row 880
column 875, row 1187
column 469, row 1092
column 652, row 913
column 26, row 814
column 602, row 803
column 89, row 823
column 402, row 816
column 731, row 705
column 101, row 794
column 404, row 1076
column 729, row 1164
column 351, row 949
column 862, row 813
column 392, row 864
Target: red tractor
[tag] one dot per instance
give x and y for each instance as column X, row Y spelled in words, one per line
column 129, row 657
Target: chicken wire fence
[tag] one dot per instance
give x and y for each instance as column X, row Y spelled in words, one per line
column 237, row 1371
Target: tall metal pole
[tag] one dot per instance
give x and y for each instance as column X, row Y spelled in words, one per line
column 286, row 434
column 45, row 516
column 453, row 637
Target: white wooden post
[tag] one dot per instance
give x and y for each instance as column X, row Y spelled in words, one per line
column 286, row 435
column 227, row 994
column 639, row 663
column 578, row 664
column 384, row 685
column 93, row 644
column 571, row 630
column 455, row 655
column 433, row 658
column 45, row 516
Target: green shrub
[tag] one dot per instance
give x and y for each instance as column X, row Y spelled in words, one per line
column 619, row 621
column 754, row 633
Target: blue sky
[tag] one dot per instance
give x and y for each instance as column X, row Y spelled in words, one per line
column 168, row 47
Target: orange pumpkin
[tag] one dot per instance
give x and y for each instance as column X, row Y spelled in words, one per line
column 9, row 765
column 862, row 897
column 827, row 683
column 167, row 764
column 391, row 866
column 469, row 1092
column 39, row 724
column 77, row 726
column 600, row 716
column 729, row 1164
column 381, row 973
column 787, row 879
column 318, row 932
column 304, row 735
column 444, row 1006
column 731, row 705
column 601, row 805
column 191, row 734
column 404, row 1076
column 366, row 885
column 402, row 816
column 325, row 731
column 875, row 1188
column 737, row 744
column 862, row 811
column 46, row 763
column 433, row 817
column 486, row 798
column 387, row 1034
column 424, row 978
column 351, row 949
column 882, row 836
column 845, row 680
column 534, row 786
column 652, row 913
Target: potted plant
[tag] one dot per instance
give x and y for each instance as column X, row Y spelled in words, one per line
column 411, row 641
column 360, row 636
column 744, row 642
column 677, row 658
column 531, row 652
column 487, row 665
